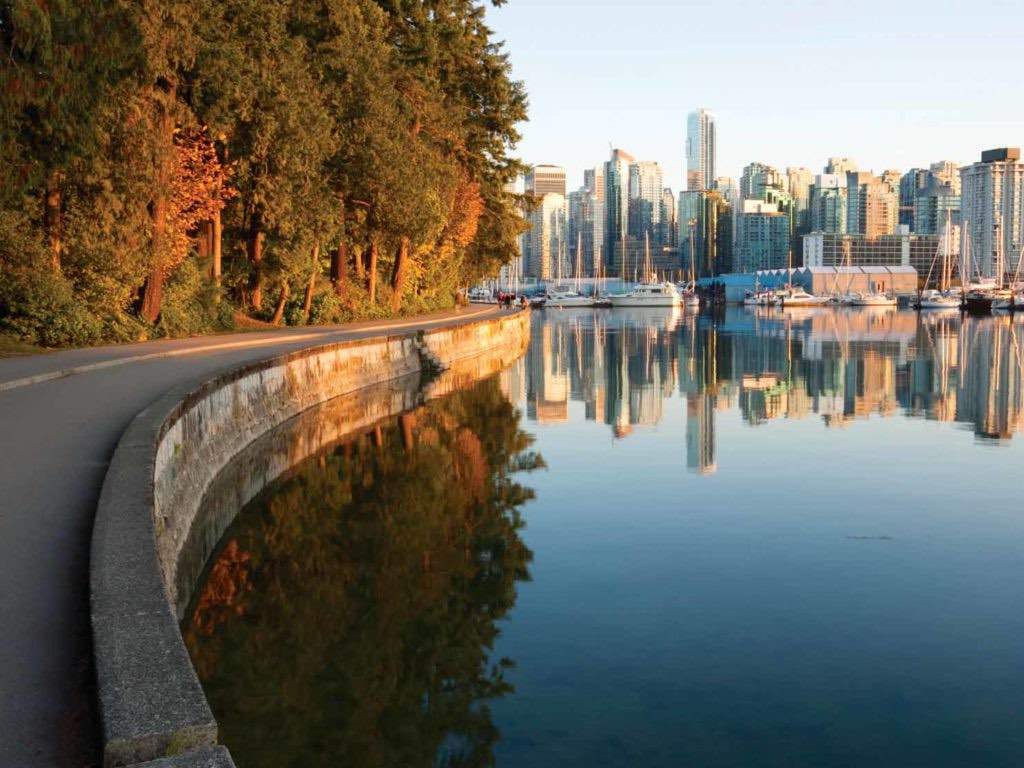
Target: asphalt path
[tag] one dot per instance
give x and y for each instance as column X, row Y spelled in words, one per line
column 61, row 415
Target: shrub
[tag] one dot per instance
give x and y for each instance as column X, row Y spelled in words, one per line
column 192, row 304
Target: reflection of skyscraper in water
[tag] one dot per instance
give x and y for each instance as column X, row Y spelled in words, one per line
column 700, row 433
column 548, row 381
column 991, row 393
column 512, row 381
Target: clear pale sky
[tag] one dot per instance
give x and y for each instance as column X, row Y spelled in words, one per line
column 895, row 84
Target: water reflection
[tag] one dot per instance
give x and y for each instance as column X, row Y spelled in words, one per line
column 349, row 612
column 839, row 365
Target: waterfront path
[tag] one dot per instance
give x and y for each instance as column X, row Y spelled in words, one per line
column 61, row 415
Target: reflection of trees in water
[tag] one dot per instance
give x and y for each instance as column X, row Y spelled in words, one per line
column 350, row 615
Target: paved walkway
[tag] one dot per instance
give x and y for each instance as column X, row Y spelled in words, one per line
column 61, row 415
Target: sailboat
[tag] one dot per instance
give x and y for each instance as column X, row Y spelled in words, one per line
column 1015, row 300
column 983, row 297
column 562, row 296
column 688, row 290
column 943, row 297
column 649, row 293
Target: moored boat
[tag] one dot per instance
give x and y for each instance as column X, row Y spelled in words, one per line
column 933, row 299
column 798, row 297
column 872, row 300
column 648, row 295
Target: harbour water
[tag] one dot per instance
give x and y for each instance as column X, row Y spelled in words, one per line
column 659, row 539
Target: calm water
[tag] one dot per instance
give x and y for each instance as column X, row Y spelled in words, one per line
column 657, row 540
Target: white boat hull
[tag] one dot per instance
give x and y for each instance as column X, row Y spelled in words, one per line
column 814, row 301
column 645, row 301
column 570, row 302
column 873, row 301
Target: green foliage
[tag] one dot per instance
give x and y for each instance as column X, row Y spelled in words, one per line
column 36, row 306
column 335, row 124
column 193, row 304
column 40, row 308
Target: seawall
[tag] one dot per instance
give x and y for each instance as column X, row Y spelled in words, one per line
column 150, row 541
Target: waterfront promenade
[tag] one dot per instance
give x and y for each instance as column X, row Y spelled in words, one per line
column 61, row 415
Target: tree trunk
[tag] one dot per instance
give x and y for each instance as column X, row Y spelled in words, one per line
column 203, row 241
column 52, row 218
column 399, row 273
column 153, row 288
column 281, row 301
column 359, row 262
column 254, row 248
column 307, row 301
column 407, row 421
column 372, row 268
column 216, row 236
column 339, row 258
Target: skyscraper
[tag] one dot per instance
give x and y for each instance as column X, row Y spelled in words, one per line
column 582, row 209
column 798, row 184
column 762, row 237
column 935, row 205
column 593, row 180
column 946, row 172
column 616, row 209
column 645, row 189
column 542, row 179
column 668, row 217
column 729, row 189
column 545, row 246
column 872, row 204
column 828, row 203
column 757, row 178
column 911, row 182
column 840, row 166
column 700, row 150
column 992, row 210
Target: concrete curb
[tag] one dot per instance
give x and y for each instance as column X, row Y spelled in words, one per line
column 151, row 702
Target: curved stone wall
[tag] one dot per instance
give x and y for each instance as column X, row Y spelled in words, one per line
column 147, row 547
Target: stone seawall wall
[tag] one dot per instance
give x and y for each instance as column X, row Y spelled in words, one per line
column 151, row 702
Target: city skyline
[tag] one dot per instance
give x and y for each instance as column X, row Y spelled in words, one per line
column 893, row 110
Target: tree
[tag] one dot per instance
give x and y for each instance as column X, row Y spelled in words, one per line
column 61, row 60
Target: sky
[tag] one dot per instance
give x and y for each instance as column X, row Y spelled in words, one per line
column 895, row 84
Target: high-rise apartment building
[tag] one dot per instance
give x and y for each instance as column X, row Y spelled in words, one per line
column 757, row 179
column 992, row 210
column 544, row 179
column 840, row 166
column 762, row 237
column 544, row 252
column 688, row 214
column 910, row 183
column 872, row 204
column 946, row 172
column 700, row 150
column 705, row 220
column 798, row 184
column 616, row 210
column 936, row 205
column 582, row 206
column 645, row 189
column 668, row 218
column 729, row 188
column 828, row 203
column 593, row 181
